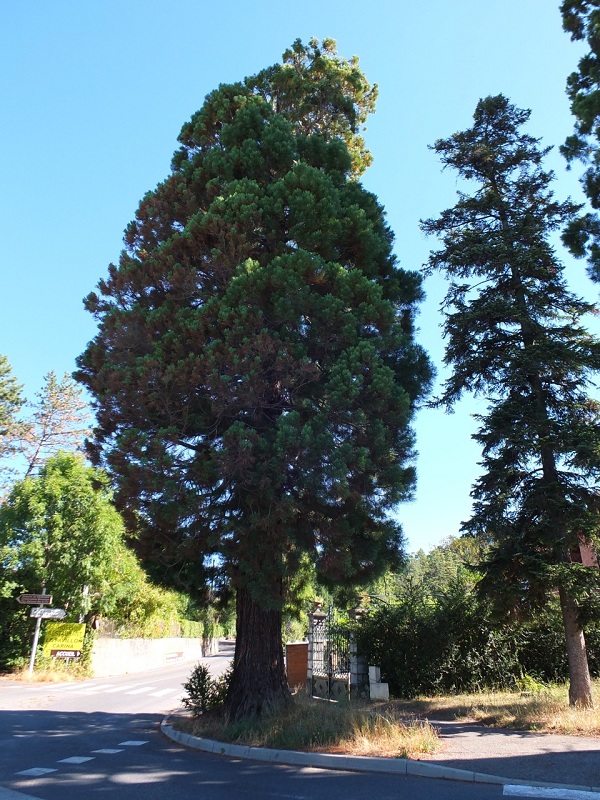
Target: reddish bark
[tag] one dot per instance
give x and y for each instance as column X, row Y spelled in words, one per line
column 259, row 683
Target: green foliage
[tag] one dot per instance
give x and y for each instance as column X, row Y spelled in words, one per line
column 431, row 632
column 255, row 372
column 321, row 93
column 516, row 335
column 11, row 428
column 204, row 692
column 60, row 529
column 59, row 419
column 581, row 19
column 272, row 372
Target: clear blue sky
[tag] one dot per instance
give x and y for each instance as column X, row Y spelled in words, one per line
column 93, row 95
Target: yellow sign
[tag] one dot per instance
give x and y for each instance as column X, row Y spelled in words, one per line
column 63, row 639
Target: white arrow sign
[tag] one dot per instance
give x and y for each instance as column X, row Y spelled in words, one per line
column 48, row 613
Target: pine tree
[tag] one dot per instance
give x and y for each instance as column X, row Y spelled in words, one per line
column 255, row 371
column 59, row 420
column 581, row 18
column 11, row 426
column 516, row 336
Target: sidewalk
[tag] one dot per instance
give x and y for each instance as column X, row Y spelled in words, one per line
column 470, row 753
column 519, row 755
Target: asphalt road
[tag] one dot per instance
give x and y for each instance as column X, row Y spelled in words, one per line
column 100, row 739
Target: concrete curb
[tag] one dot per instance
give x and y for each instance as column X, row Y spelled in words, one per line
column 395, row 766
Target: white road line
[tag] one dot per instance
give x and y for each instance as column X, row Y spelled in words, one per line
column 8, row 794
column 163, row 692
column 133, row 743
column 100, row 688
column 554, row 793
column 35, row 772
column 141, row 690
column 109, row 750
column 121, row 688
column 75, row 760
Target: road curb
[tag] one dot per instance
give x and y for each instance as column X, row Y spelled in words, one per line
column 394, row 766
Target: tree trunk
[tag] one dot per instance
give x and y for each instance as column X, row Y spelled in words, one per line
column 580, row 685
column 259, row 683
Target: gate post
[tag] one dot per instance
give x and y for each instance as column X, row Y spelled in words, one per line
column 359, row 670
column 315, row 643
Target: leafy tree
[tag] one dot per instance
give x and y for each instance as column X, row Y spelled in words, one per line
column 11, row 428
column 255, row 372
column 60, row 529
column 581, row 18
column 59, row 420
column 515, row 334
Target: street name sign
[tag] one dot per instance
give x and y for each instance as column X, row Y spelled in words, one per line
column 35, row 599
column 48, row 613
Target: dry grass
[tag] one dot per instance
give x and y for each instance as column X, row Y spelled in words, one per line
column 317, row 725
column 58, row 674
column 544, row 709
column 400, row 729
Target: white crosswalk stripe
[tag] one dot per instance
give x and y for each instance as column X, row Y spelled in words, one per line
column 121, row 688
column 133, row 743
column 548, row 793
column 36, row 772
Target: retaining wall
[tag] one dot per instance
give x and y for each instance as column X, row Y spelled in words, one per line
column 121, row 656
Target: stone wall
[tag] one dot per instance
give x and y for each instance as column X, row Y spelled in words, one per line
column 122, row 656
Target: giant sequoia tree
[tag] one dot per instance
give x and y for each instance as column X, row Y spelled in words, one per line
column 254, row 372
column 515, row 335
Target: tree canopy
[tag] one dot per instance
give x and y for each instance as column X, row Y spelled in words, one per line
column 516, row 335
column 581, row 19
column 11, row 401
column 60, row 528
column 255, row 371
column 59, row 419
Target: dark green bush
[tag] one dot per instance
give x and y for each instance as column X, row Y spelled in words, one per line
column 205, row 693
column 451, row 644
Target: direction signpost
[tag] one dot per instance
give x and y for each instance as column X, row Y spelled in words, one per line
column 42, row 599
column 48, row 613
column 35, row 599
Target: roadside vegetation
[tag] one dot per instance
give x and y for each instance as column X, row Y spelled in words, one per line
column 399, row 728
column 545, row 709
column 318, row 725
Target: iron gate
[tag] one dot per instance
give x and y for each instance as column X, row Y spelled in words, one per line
column 330, row 658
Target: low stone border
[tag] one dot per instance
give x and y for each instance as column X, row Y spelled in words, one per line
column 395, row 766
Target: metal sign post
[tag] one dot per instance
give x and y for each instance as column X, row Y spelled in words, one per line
column 41, row 600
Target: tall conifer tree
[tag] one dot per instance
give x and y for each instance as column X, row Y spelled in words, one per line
column 516, row 336
column 255, row 372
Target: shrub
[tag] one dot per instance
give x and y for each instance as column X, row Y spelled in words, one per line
column 204, row 692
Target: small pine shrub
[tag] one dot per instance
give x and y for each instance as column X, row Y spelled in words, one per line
column 204, row 692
